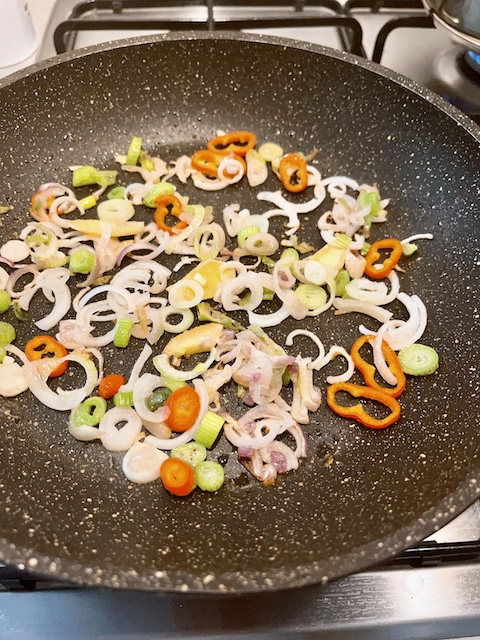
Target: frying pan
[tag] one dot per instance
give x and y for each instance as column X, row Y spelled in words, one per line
column 67, row 511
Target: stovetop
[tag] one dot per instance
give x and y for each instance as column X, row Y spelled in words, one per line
column 429, row 592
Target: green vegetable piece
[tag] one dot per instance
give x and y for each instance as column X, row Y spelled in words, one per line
column 146, row 161
column 160, row 189
column 117, row 193
column 270, row 151
column 158, row 398
column 418, row 360
column 245, row 233
column 408, row 248
column 106, row 178
column 123, row 399
column 172, row 383
column 268, row 262
column 90, row 412
column 123, row 332
column 372, row 198
column 88, row 202
column 268, row 294
column 134, row 150
column 207, row 314
column 3, row 353
column 18, row 311
column 365, row 248
column 289, row 256
column 7, row 333
column 341, row 280
column 209, row 429
column 209, row 475
column 84, row 176
column 192, row 453
column 82, row 261
column 311, row 295
column 5, row 301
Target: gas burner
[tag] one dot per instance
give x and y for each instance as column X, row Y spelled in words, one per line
column 457, row 79
column 473, row 60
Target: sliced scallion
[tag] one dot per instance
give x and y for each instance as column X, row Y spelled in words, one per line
column 84, row 176
column 123, row 399
column 245, row 233
column 209, row 429
column 117, row 193
column 123, row 332
column 160, row 189
column 134, row 150
column 82, row 261
column 90, row 412
column 146, row 161
column 172, row 383
column 7, row 333
column 341, row 280
column 311, row 295
column 209, row 475
column 270, row 151
column 5, row 301
column 88, row 202
column 418, row 360
column 193, row 453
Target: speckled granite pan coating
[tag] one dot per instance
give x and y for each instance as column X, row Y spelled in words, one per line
column 66, row 509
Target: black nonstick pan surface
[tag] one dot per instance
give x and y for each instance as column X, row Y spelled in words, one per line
column 67, row 510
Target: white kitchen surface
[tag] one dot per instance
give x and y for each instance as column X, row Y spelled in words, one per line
column 40, row 11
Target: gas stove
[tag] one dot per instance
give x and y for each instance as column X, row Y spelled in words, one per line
column 429, row 592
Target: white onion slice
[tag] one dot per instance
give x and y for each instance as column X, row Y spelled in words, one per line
column 37, row 372
column 312, row 336
column 378, row 358
column 232, row 288
column 412, row 330
column 142, row 462
column 333, row 352
column 15, row 250
column 177, row 296
column 276, row 198
column 120, row 439
column 12, row 378
column 366, row 290
column 163, row 366
column 345, row 305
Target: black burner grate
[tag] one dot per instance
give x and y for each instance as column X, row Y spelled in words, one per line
column 114, row 15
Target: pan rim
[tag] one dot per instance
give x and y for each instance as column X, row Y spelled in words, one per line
column 358, row 559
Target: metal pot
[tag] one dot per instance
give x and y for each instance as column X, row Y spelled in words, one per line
column 460, row 18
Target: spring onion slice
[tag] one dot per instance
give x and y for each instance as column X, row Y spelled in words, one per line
column 123, row 332
column 209, row 475
column 134, row 150
column 209, row 429
column 418, row 360
column 191, row 452
column 89, row 412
